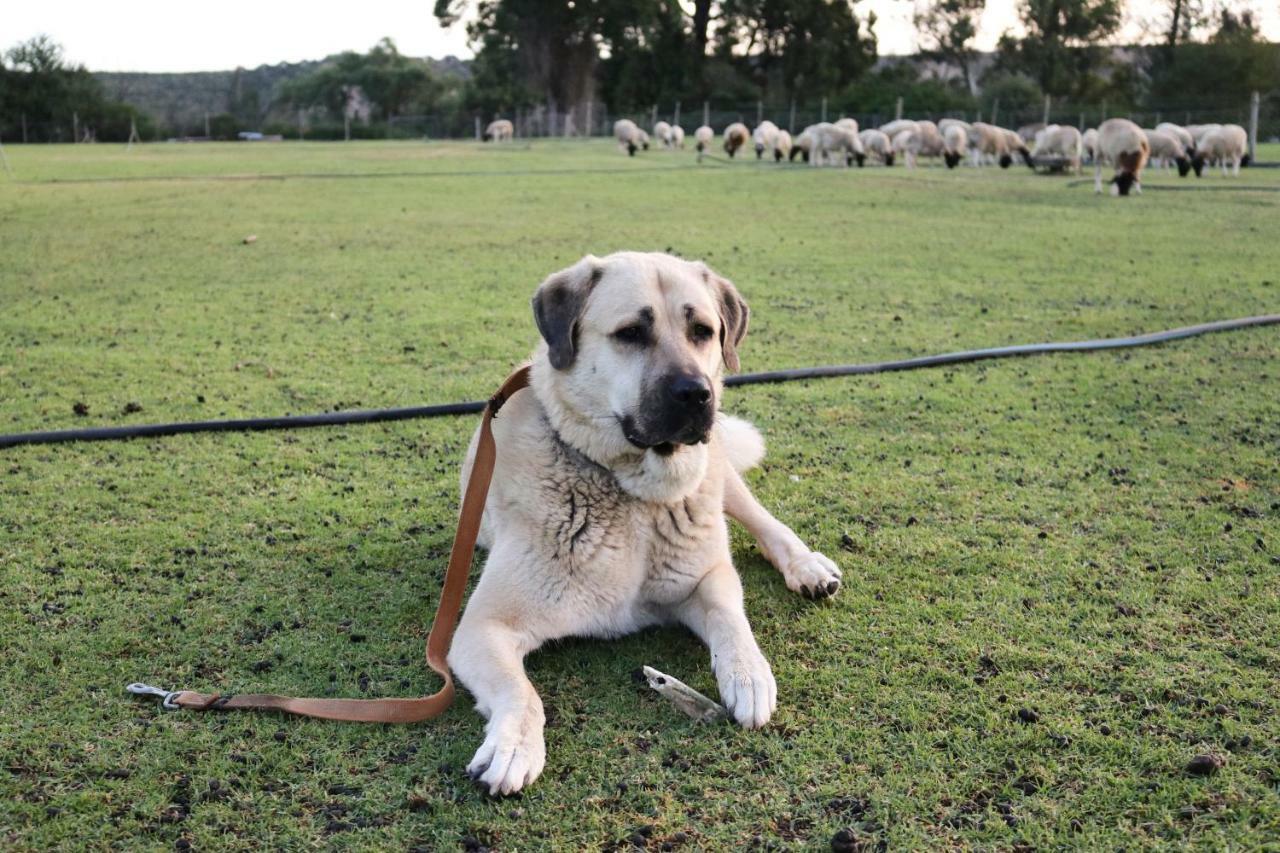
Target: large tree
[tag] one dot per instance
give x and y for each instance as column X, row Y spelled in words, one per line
column 947, row 29
column 1062, row 49
column 395, row 84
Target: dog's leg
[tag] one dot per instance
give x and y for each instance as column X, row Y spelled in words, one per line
column 807, row 572
column 488, row 657
column 714, row 612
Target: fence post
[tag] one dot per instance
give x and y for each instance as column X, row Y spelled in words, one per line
column 995, row 111
column 1104, row 111
column 1082, row 128
column 302, row 125
column 897, row 110
column 75, row 127
column 676, row 119
column 477, row 128
column 706, row 112
column 24, row 128
column 346, row 127
column 824, row 107
column 1255, row 102
column 759, row 112
column 1047, row 102
column 655, row 117
column 590, row 104
column 206, row 125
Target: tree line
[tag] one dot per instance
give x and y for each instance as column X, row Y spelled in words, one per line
column 625, row 55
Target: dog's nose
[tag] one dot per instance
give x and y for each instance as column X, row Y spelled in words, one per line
column 690, row 390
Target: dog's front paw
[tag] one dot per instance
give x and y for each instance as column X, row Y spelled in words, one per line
column 513, row 752
column 813, row 576
column 747, row 687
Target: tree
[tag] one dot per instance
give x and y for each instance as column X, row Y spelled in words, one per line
column 948, row 28
column 1061, row 50
column 394, row 83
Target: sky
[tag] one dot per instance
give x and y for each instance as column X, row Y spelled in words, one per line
column 149, row 35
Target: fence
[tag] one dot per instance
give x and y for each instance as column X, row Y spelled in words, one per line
column 1260, row 115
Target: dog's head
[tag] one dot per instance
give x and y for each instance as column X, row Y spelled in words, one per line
column 633, row 351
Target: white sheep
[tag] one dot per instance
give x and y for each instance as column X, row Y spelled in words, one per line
column 802, row 144
column 828, row 141
column 781, row 146
column 499, row 130
column 1166, row 150
column 878, row 143
column 989, row 142
column 736, row 136
column 893, row 128
column 677, row 136
column 1122, row 144
column 662, row 133
column 1089, row 144
column 1014, row 144
column 763, row 137
column 1060, row 141
column 1178, row 132
column 1227, row 145
column 703, row 136
column 849, row 124
column 630, row 137
column 955, row 140
column 1198, row 131
column 922, row 140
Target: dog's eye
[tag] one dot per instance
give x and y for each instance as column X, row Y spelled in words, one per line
column 701, row 332
column 634, row 334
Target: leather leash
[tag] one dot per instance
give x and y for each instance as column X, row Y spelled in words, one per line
column 455, row 584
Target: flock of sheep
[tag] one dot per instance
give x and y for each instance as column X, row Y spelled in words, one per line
column 1117, row 141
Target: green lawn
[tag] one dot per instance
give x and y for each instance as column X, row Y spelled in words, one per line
column 1092, row 538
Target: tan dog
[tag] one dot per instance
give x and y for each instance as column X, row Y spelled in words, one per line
column 606, row 513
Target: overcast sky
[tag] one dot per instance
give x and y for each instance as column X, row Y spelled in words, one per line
column 149, row 35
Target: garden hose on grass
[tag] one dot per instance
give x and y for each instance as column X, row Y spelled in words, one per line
column 365, row 416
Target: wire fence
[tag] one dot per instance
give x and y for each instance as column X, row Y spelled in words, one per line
column 1259, row 114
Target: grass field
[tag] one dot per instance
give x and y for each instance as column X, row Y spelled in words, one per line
column 1091, row 540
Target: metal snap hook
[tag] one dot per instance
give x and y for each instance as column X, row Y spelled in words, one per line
column 137, row 688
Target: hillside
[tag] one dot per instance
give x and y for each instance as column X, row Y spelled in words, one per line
column 179, row 101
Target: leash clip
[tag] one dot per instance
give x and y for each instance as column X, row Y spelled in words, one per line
column 166, row 696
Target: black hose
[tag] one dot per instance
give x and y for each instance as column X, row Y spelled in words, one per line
column 366, row 416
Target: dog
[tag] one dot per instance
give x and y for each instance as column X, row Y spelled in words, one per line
column 606, row 513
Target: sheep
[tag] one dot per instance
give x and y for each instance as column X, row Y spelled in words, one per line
column 1028, row 133
column 877, row 143
column 945, row 123
column 630, row 138
column 1167, row 149
column 923, row 140
column 893, row 128
column 802, row 145
column 1089, row 144
column 828, row 140
column 735, row 137
column 955, row 139
column 1179, row 133
column 781, row 146
column 763, row 137
column 1060, row 141
column 677, row 136
column 704, row 136
column 1227, row 145
column 1015, row 144
column 499, row 130
column 1198, row 132
column 848, row 124
column 1123, row 144
column 662, row 133
column 987, row 140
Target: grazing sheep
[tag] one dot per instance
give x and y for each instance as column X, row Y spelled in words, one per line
column 1123, row 144
column 1179, row 133
column 1060, row 141
column 1227, row 145
column 849, row 124
column 662, row 133
column 955, row 140
column 923, row 140
column 630, row 138
column 802, row 145
column 735, row 136
column 828, row 141
column 781, row 146
column 893, row 128
column 989, row 141
column 1015, row 145
column 945, row 123
column 704, row 136
column 1198, row 132
column 763, row 137
column 677, row 136
column 1029, row 133
column 499, row 130
column 1166, row 150
column 877, row 143
column 1089, row 144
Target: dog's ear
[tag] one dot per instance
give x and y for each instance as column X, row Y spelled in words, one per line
column 734, row 315
column 558, row 304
